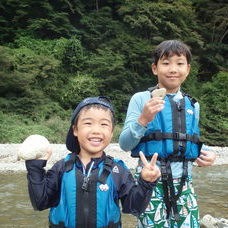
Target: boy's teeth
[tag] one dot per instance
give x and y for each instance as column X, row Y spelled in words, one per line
column 95, row 140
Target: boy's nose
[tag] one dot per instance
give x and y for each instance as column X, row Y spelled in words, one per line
column 172, row 68
column 96, row 128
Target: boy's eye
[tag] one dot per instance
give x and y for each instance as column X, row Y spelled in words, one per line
column 180, row 63
column 87, row 123
column 165, row 63
column 105, row 124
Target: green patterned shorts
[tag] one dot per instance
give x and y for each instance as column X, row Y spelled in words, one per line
column 155, row 214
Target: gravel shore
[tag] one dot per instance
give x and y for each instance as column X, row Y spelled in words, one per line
column 9, row 161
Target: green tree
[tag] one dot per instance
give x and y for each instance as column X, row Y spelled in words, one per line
column 56, row 53
column 214, row 106
column 78, row 87
column 213, row 18
column 159, row 20
column 42, row 19
column 25, row 82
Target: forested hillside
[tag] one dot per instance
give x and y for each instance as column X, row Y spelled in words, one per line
column 53, row 53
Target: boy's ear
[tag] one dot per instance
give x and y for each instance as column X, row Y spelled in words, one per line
column 75, row 130
column 154, row 68
column 188, row 69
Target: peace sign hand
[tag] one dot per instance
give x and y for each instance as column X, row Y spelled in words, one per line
column 150, row 171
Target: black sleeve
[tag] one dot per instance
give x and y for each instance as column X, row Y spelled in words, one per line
column 134, row 197
column 44, row 187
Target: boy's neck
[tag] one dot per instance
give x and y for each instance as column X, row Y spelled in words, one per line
column 86, row 158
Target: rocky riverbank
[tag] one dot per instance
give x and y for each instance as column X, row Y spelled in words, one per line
column 9, row 160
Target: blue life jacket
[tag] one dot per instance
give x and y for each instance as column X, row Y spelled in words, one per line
column 174, row 133
column 83, row 201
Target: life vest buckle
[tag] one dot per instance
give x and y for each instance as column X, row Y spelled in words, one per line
column 164, row 172
column 165, row 176
column 179, row 136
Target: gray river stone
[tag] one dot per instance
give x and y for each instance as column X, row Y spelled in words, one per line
column 210, row 222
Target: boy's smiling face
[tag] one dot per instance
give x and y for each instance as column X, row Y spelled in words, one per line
column 171, row 72
column 94, row 130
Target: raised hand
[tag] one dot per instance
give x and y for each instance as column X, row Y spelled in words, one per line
column 150, row 109
column 150, row 171
column 47, row 155
column 206, row 158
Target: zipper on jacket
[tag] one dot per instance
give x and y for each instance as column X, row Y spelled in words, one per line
column 85, row 186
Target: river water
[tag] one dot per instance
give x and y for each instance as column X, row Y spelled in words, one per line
column 211, row 185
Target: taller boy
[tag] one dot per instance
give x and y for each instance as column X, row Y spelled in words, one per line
column 168, row 127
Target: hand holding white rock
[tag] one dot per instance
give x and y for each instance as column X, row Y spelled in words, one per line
column 33, row 147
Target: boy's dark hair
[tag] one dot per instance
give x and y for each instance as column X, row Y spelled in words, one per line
column 168, row 48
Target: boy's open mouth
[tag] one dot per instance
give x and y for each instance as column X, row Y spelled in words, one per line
column 95, row 141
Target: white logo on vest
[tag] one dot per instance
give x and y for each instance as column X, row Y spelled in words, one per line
column 115, row 169
column 189, row 111
column 104, row 187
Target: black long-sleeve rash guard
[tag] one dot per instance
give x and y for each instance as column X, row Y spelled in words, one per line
column 44, row 187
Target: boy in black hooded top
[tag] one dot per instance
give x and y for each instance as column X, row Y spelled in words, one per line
column 83, row 190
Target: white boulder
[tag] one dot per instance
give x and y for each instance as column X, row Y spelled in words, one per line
column 210, row 222
column 33, row 147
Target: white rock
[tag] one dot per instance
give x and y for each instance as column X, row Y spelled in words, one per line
column 208, row 222
column 33, row 147
column 159, row 93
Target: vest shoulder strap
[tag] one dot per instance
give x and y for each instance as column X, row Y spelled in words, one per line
column 108, row 163
column 69, row 164
column 192, row 99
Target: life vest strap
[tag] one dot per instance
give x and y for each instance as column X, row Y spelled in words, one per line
column 171, row 158
column 69, row 164
column 108, row 162
column 168, row 187
column 174, row 136
column 174, row 159
column 192, row 99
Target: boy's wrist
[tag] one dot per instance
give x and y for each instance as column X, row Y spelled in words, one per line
column 35, row 164
column 147, row 184
column 142, row 122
